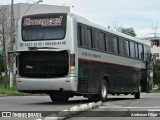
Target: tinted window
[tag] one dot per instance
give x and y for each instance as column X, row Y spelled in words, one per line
column 88, row 37
column 109, row 43
column 132, row 49
column 136, row 50
column 79, row 35
column 95, row 42
column 83, row 36
column 115, row 45
column 101, row 41
column 127, row 48
column 141, row 56
column 121, row 46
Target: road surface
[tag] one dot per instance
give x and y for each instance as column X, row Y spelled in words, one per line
column 125, row 108
column 148, row 102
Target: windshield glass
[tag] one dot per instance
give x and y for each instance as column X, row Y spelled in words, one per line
column 44, row 27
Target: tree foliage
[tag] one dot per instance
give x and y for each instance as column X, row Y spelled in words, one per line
column 129, row 31
column 156, row 72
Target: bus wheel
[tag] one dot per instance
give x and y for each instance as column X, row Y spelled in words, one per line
column 137, row 95
column 103, row 91
column 59, row 97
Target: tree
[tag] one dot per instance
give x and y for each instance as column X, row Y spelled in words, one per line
column 129, row 31
column 1, row 63
column 156, row 72
column 5, row 33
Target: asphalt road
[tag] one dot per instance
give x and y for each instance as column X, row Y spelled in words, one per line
column 125, row 108
column 148, row 102
column 37, row 103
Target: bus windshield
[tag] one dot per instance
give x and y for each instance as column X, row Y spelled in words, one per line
column 44, row 27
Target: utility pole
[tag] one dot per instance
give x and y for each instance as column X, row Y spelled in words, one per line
column 11, row 44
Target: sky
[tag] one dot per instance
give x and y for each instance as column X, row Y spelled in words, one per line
column 142, row 15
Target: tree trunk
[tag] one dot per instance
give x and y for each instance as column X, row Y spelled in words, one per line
column 5, row 62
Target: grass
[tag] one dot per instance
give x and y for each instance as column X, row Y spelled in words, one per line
column 156, row 91
column 10, row 92
column 13, row 92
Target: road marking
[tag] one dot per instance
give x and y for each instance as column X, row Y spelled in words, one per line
column 156, row 110
column 115, row 106
column 144, row 107
column 110, row 107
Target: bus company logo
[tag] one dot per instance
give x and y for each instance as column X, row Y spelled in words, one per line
column 43, row 22
column 6, row 114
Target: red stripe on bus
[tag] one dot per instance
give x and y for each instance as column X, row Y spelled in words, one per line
column 108, row 63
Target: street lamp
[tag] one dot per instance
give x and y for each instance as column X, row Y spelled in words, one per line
column 39, row 1
column 11, row 44
column 12, row 37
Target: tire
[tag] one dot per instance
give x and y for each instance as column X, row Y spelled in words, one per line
column 59, row 97
column 103, row 91
column 137, row 95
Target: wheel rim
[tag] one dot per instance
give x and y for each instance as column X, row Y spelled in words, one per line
column 104, row 91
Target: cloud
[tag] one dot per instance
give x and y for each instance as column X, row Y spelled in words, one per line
column 139, row 14
column 146, row 32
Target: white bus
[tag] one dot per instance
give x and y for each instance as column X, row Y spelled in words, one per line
column 65, row 55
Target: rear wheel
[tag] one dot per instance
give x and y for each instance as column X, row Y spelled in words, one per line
column 59, row 97
column 102, row 94
column 137, row 95
column 103, row 91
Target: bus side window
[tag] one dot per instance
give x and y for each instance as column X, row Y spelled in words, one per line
column 136, row 50
column 79, row 35
column 83, row 36
column 95, row 39
column 126, row 45
column 89, row 37
column 141, row 52
column 121, row 46
column 109, row 43
column 132, row 50
column 115, row 45
column 101, row 41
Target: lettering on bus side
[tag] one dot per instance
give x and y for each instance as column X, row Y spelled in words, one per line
column 91, row 55
column 42, row 44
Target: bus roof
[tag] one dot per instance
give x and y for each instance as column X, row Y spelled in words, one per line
column 89, row 23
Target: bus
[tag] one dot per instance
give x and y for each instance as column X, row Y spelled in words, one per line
column 65, row 55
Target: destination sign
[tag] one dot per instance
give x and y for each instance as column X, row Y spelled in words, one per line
column 43, row 22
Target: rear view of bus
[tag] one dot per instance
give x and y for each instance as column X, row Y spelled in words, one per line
column 46, row 56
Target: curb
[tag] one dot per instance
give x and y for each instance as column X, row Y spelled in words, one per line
column 64, row 114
